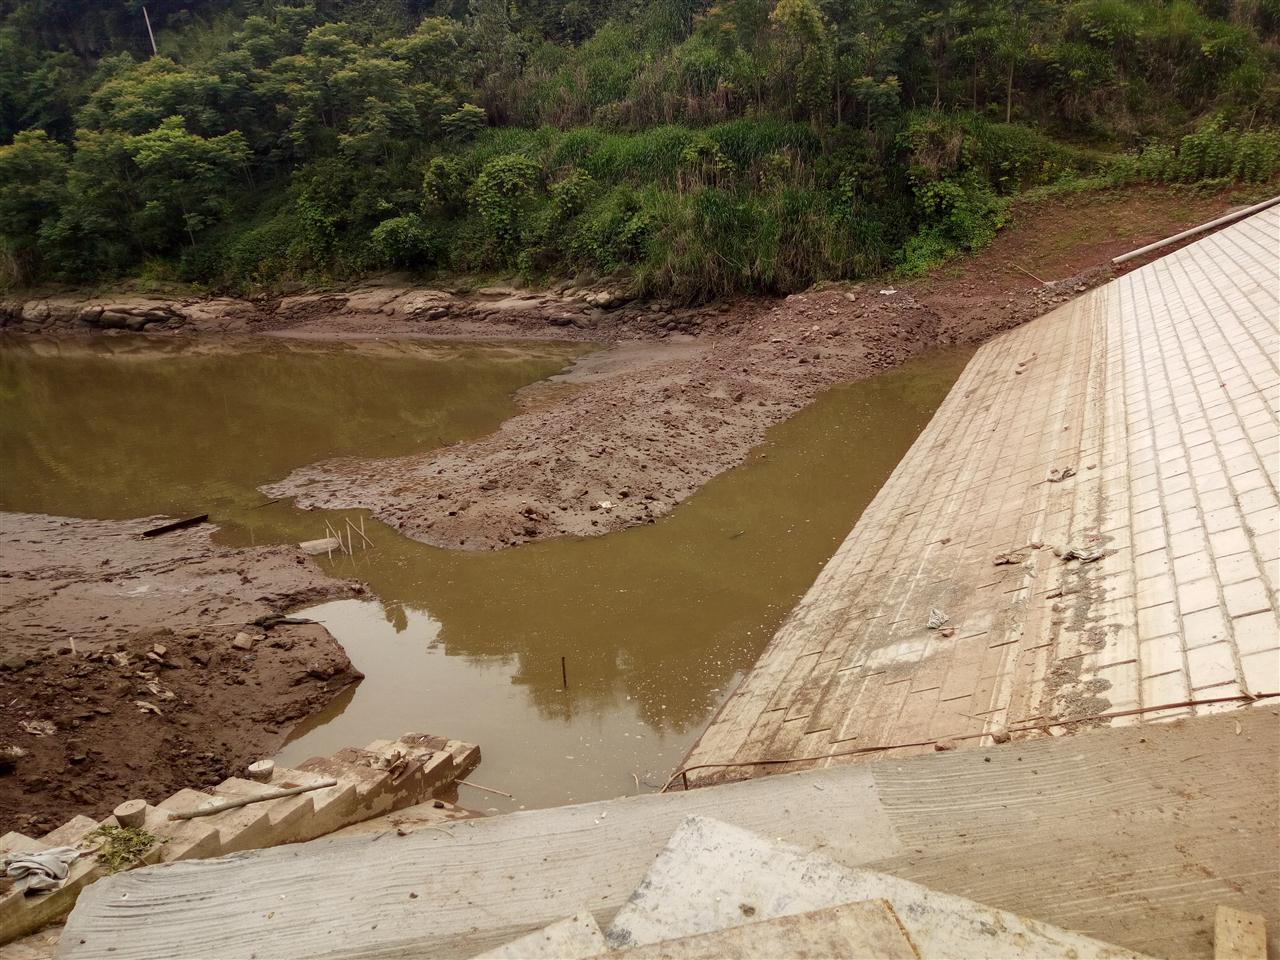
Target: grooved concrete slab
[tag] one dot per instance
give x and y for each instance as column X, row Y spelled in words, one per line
column 569, row 939
column 865, row 929
column 710, row 874
column 1127, row 835
column 1139, row 422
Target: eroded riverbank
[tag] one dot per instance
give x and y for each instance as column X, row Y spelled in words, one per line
column 624, row 449
column 681, row 397
column 131, row 665
column 655, row 623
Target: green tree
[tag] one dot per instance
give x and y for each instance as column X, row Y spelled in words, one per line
column 33, row 175
column 184, row 180
column 500, row 196
column 803, row 55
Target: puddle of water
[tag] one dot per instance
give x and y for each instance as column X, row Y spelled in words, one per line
column 656, row 623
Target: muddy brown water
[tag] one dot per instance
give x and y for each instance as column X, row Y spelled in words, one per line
column 655, row 624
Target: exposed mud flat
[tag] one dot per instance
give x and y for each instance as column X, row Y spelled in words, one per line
column 626, row 449
column 131, row 667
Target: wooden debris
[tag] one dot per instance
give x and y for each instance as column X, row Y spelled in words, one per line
column 245, row 801
column 477, row 786
column 176, row 525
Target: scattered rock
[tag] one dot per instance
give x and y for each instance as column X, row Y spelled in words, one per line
column 1005, row 559
column 9, row 757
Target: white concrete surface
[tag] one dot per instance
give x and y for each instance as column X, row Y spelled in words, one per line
column 1141, row 420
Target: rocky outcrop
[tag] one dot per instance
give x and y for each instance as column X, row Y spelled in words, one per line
column 33, row 316
column 596, row 311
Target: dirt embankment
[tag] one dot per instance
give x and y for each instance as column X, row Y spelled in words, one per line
column 626, row 448
column 621, row 441
column 133, row 667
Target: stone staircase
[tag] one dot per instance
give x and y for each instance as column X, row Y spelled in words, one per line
column 1090, row 834
column 719, row 891
column 385, row 776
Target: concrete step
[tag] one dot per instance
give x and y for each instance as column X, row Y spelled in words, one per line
column 181, row 839
column 22, row 914
column 70, row 833
column 466, row 756
column 14, row 842
column 373, row 785
column 710, row 875
column 866, row 929
column 286, row 814
column 331, row 807
column 243, row 829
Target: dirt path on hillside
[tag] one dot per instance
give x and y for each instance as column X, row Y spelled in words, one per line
column 132, row 667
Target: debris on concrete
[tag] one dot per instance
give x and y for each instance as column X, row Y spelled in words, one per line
column 40, row 871
column 1007, row 559
column 1083, row 554
column 320, row 796
column 708, row 869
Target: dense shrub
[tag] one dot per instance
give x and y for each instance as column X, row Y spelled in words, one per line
column 1212, row 152
column 404, row 241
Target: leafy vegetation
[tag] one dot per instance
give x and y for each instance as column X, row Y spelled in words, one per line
column 120, row 848
column 696, row 149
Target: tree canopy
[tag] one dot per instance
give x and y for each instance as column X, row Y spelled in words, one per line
column 698, row 148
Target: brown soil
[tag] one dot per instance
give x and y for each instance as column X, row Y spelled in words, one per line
column 683, row 394
column 119, row 677
column 625, row 449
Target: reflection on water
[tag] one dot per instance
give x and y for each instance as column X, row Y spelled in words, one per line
column 655, row 623
column 118, row 427
column 570, row 748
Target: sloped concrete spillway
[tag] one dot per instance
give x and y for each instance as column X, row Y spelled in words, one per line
column 655, row 623
column 1094, row 513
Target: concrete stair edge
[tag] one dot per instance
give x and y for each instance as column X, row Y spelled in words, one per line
column 363, row 791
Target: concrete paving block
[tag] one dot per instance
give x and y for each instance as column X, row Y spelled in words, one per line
column 867, row 929
column 710, row 874
column 1158, row 390
column 572, row 938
